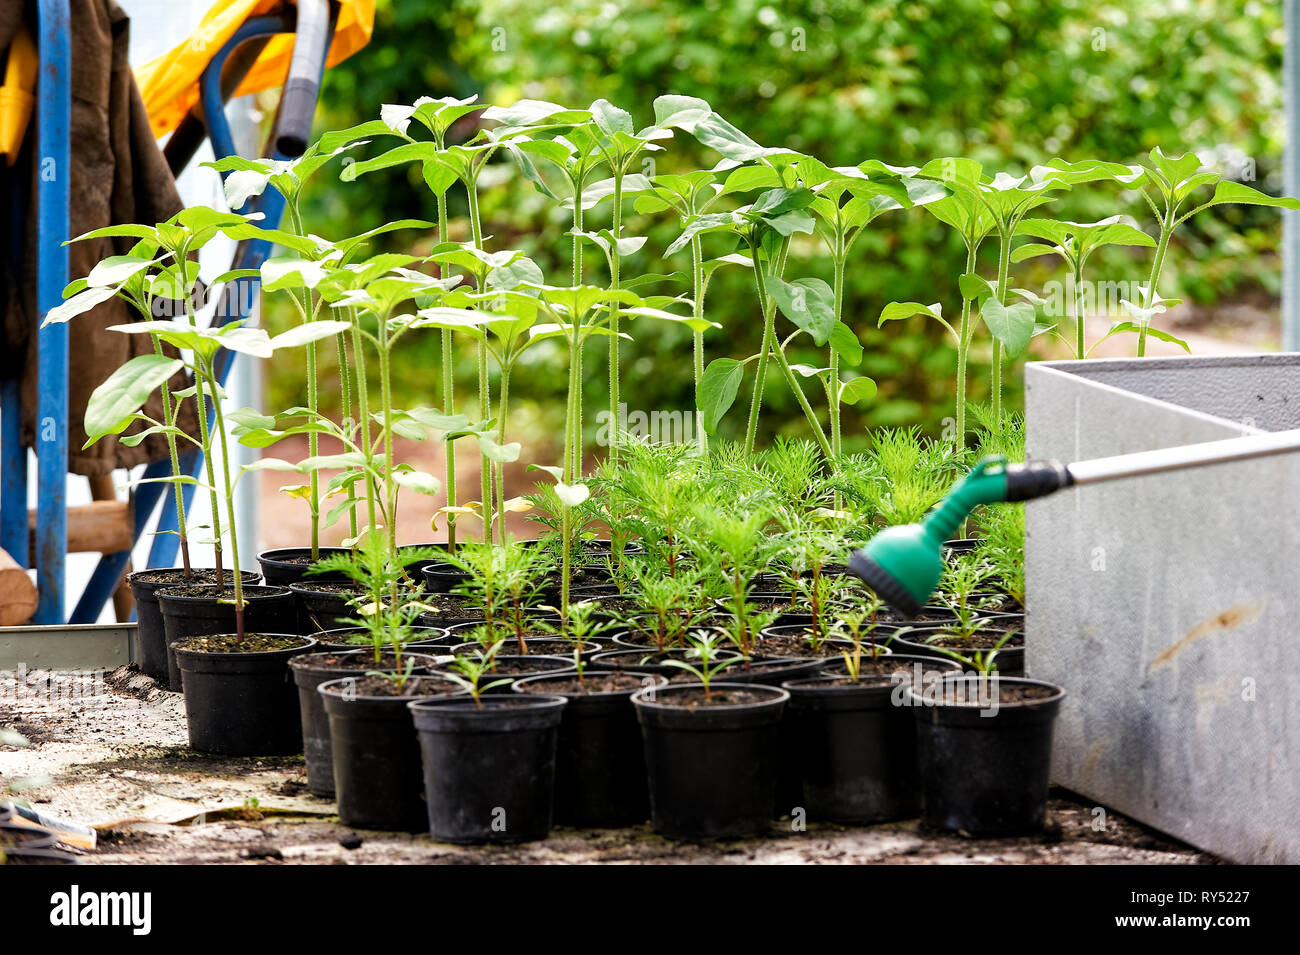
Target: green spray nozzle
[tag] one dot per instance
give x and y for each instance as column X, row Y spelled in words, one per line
column 903, row 564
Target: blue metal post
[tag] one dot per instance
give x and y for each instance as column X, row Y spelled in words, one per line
column 53, row 176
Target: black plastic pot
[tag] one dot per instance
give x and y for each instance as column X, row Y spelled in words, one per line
column 711, row 769
column 151, row 637
column 416, row 565
column 1010, row 661
column 287, row 565
column 774, row 672
column 378, row 783
column 594, row 592
column 322, row 609
column 442, row 578
column 425, row 638
column 851, row 749
column 489, row 769
column 515, row 667
column 984, row 770
column 194, row 612
column 242, row 704
column 648, row 660
column 309, row 671
column 600, row 778
column 447, row 621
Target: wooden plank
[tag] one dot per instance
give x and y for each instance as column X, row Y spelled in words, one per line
column 17, row 593
column 102, row 527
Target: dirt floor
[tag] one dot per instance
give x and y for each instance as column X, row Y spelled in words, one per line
column 110, row 751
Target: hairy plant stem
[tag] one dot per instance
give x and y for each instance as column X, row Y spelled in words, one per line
column 345, row 399
column 836, row 423
column 614, row 311
column 386, row 409
column 205, row 441
column 363, row 414
column 573, row 413
column 170, row 414
column 963, row 347
column 501, row 435
column 778, row 353
column 486, row 465
column 313, row 397
column 207, row 367
column 697, row 283
column 1079, row 351
column 1004, row 269
column 448, row 391
column 769, row 332
column 1157, row 264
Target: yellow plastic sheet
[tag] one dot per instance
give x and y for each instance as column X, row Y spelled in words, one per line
column 16, row 96
column 170, row 83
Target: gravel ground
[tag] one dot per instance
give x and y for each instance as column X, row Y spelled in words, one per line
column 114, row 756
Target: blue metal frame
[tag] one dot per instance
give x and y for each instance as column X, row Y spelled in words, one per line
column 53, row 153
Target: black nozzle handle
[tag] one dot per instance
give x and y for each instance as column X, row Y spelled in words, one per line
column 302, row 86
column 1036, row 479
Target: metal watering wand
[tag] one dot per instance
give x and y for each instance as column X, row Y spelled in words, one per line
column 903, row 564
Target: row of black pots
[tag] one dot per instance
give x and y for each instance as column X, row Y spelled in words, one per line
column 712, row 771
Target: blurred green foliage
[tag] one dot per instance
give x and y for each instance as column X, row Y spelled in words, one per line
column 1010, row 83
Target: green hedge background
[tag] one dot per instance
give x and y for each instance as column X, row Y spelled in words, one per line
column 1011, row 83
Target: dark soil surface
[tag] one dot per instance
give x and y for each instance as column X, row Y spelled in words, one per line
column 554, row 648
column 790, row 646
column 722, row 696
column 228, row 643
column 450, row 605
column 174, row 577
column 884, row 669
column 364, row 660
column 413, row 689
column 986, row 638
column 594, row 681
column 329, row 587
column 965, row 694
column 211, row 590
column 584, row 577
column 510, row 665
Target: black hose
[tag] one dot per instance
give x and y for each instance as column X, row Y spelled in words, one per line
column 302, row 86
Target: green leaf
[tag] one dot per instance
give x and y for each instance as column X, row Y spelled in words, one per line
column 690, row 321
column 81, row 302
column 895, row 311
column 500, row 453
column 856, row 389
column 1013, row 325
column 417, row 481
column 681, row 112
column 116, row 269
column 717, row 392
column 309, row 332
column 571, row 495
column 809, row 303
column 846, row 344
column 290, row 272
column 114, row 403
column 610, row 119
column 974, row 287
column 1236, row 192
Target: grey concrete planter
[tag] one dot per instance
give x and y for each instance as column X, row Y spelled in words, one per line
column 1169, row 606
